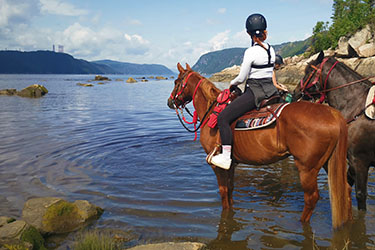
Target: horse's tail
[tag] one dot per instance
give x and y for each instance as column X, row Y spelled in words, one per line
column 339, row 189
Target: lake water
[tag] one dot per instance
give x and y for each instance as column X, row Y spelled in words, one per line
column 120, row 147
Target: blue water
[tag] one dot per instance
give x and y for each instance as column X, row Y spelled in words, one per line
column 119, row 146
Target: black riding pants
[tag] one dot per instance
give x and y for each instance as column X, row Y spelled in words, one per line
column 238, row 107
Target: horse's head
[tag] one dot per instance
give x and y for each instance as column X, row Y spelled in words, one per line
column 310, row 84
column 182, row 91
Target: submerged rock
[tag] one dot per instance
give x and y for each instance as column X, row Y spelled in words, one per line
column 101, row 78
column 85, row 84
column 131, row 80
column 161, row 78
column 33, row 91
column 8, row 92
column 53, row 215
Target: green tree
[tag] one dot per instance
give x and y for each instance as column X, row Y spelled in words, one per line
column 348, row 17
column 321, row 38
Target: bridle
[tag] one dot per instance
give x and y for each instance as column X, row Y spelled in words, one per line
column 182, row 88
column 178, row 96
column 319, row 78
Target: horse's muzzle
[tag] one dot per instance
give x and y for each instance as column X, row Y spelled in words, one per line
column 170, row 103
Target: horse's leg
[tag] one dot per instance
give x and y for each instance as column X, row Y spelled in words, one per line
column 225, row 181
column 361, row 178
column 308, row 178
column 351, row 175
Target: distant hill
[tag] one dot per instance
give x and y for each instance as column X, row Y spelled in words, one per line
column 136, row 69
column 49, row 62
column 46, row 62
column 216, row 61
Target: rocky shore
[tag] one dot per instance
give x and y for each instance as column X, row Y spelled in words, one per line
column 357, row 51
column 52, row 216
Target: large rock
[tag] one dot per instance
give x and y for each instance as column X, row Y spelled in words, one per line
column 53, row 215
column 360, row 38
column 367, row 50
column 19, row 235
column 33, row 91
column 343, row 46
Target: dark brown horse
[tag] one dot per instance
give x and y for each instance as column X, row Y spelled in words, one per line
column 313, row 134
column 345, row 90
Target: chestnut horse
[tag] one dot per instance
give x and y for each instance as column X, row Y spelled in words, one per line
column 313, row 134
column 346, row 90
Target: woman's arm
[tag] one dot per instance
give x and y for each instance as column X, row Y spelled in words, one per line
column 278, row 85
column 245, row 69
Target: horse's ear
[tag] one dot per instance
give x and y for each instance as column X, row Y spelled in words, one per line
column 180, row 68
column 188, row 66
column 320, row 57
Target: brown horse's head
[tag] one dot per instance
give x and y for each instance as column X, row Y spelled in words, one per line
column 311, row 81
column 181, row 93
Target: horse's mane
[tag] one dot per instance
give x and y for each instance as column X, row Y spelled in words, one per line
column 344, row 69
column 209, row 90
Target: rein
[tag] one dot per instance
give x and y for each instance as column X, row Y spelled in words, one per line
column 195, row 114
column 323, row 92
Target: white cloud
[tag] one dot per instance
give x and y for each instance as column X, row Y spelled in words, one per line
column 222, row 10
column 13, row 12
column 58, row 7
column 219, row 40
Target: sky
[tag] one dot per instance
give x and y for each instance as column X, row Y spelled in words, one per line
column 148, row 31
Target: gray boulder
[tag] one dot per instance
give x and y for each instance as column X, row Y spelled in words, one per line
column 53, row 215
column 19, row 235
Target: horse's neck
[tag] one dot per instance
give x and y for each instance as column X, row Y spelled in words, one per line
column 349, row 99
column 204, row 97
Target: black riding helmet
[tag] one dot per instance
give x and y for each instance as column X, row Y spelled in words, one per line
column 279, row 60
column 256, row 24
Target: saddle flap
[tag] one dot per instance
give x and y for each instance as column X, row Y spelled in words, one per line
column 370, row 103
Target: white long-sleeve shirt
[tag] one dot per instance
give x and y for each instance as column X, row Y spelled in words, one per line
column 255, row 55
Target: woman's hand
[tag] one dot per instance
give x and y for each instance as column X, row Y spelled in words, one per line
column 283, row 87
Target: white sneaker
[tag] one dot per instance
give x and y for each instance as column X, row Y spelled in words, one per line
column 221, row 161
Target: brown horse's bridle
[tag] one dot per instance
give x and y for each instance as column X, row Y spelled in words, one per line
column 178, row 96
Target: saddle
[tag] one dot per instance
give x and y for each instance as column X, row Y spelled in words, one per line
column 263, row 117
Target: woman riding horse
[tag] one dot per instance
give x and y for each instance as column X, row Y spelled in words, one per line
column 257, row 67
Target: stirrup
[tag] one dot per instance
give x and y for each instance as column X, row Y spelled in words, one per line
column 212, row 153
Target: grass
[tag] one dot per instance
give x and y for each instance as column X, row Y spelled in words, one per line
column 94, row 240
